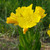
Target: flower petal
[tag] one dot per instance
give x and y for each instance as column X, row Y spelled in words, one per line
column 24, row 30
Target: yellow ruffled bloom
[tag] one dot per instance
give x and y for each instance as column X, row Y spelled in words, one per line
column 25, row 17
column 48, row 32
column 49, row 25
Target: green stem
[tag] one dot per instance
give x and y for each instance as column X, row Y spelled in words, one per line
column 30, row 40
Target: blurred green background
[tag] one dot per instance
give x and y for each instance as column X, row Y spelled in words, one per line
column 8, row 6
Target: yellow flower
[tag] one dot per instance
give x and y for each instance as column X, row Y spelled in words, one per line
column 48, row 32
column 40, row 11
column 25, row 17
column 49, row 25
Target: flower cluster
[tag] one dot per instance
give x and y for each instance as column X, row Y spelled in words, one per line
column 26, row 17
column 48, row 32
